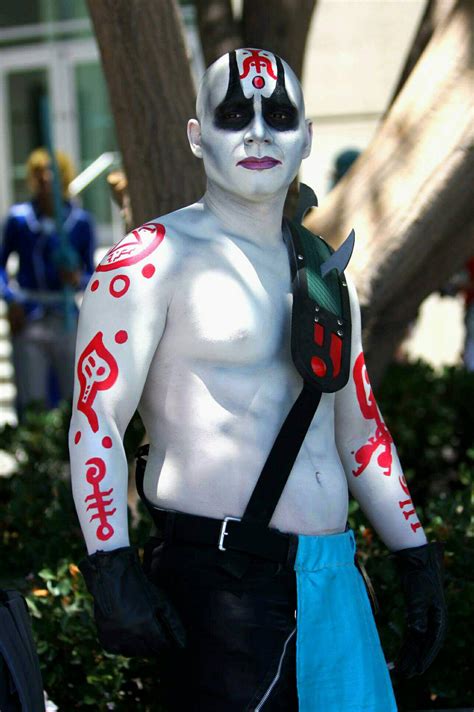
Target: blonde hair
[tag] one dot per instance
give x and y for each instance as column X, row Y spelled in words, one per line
column 40, row 158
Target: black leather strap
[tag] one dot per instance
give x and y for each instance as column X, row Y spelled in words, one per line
column 280, row 461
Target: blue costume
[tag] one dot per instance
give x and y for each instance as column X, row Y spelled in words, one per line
column 43, row 344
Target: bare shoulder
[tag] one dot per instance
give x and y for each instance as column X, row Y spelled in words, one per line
column 155, row 248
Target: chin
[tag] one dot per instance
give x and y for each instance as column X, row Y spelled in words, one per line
column 259, row 187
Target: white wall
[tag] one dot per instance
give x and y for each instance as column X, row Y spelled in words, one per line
column 356, row 50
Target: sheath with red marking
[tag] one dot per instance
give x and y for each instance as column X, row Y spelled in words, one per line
column 321, row 317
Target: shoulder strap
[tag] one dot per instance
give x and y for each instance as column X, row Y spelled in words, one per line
column 320, row 346
column 280, row 461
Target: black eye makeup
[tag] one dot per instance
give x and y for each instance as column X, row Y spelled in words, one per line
column 280, row 116
column 278, row 111
column 234, row 116
column 235, row 111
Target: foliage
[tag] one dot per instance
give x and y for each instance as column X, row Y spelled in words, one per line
column 431, row 418
column 78, row 674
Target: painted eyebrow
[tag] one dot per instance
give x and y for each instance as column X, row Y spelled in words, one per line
column 279, row 100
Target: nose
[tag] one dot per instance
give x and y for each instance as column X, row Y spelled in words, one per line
column 257, row 131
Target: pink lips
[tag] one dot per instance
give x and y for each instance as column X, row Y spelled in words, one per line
column 258, row 164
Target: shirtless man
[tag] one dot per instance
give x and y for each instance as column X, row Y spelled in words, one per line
column 188, row 320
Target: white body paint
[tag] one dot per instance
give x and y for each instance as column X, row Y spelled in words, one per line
column 207, row 359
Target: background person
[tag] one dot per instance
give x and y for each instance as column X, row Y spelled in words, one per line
column 40, row 341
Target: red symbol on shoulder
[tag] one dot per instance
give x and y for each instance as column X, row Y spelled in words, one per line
column 97, row 370
column 381, row 438
column 259, row 62
column 148, row 271
column 97, row 500
column 119, row 285
column 121, row 336
column 137, row 245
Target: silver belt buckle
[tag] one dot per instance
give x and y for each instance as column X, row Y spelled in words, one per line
column 224, row 532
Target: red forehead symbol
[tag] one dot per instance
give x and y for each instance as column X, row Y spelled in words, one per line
column 259, row 62
column 258, row 82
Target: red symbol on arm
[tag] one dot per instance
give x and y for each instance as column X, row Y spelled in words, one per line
column 370, row 411
column 259, row 61
column 97, row 370
column 408, row 503
column 95, row 474
column 134, row 247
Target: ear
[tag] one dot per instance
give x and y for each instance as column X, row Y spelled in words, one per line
column 194, row 137
column 309, row 138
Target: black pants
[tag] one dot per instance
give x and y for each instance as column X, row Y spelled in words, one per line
column 239, row 613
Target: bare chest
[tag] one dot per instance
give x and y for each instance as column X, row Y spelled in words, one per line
column 232, row 305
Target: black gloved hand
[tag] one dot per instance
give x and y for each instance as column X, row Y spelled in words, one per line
column 421, row 572
column 133, row 616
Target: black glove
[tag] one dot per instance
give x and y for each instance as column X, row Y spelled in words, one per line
column 133, row 617
column 421, row 572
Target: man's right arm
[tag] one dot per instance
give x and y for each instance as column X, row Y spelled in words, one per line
column 121, row 322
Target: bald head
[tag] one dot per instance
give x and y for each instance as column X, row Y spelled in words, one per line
column 242, row 74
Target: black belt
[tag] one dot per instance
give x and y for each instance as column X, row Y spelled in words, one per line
column 225, row 534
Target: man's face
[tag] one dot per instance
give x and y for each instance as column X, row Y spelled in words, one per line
column 253, row 134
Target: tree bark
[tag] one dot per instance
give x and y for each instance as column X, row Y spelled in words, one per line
column 152, row 97
column 218, row 29
column 435, row 12
column 409, row 196
column 280, row 26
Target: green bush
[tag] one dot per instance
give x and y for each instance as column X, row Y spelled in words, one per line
column 431, row 418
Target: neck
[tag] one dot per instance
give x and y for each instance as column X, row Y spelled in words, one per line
column 257, row 222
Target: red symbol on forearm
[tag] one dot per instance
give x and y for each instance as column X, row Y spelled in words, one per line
column 259, row 62
column 134, row 247
column 95, row 474
column 370, row 411
column 408, row 503
column 97, row 370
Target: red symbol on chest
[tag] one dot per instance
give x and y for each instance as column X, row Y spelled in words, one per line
column 97, row 370
column 382, row 438
column 259, row 62
column 95, row 474
column 134, row 247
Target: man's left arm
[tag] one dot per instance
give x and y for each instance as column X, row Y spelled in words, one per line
column 376, row 481
column 369, row 456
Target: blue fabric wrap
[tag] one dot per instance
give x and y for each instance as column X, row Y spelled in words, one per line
column 340, row 662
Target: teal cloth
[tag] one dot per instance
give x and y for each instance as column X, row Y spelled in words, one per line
column 340, row 663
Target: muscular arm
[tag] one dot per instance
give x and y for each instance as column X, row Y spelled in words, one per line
column 369, row 455
column 121, row 322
